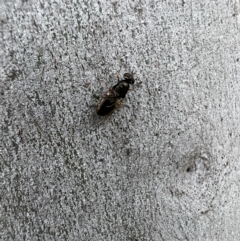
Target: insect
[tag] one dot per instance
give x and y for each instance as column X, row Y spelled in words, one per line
column 115, row 95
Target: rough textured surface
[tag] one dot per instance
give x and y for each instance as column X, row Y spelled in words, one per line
column 165, row 166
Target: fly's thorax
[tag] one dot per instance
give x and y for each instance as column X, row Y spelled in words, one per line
column 121, row 89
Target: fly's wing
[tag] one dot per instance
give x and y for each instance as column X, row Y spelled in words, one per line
column 107, row 103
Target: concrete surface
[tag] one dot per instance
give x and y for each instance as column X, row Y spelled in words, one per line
column 165, row 166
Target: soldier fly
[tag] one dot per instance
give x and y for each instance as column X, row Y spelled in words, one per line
column 115, row 95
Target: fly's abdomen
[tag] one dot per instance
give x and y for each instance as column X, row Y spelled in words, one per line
column 106, row 107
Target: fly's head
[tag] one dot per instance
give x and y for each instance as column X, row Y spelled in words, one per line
column 129, row 78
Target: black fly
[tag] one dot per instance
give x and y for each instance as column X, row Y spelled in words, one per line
column 115, row 95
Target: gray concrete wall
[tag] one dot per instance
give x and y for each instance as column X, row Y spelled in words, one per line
column 165, row 166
